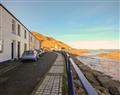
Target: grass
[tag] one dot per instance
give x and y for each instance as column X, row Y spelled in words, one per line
column 64, row 87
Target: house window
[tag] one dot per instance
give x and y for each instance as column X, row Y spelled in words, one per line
column 25, row 47
column 18, row 30
column 1, row 46
column 25, row 34
column 13, row 26
column 31, row 39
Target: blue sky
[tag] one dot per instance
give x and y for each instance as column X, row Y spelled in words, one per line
column 70, row 21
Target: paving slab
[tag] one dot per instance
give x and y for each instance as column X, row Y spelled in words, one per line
column 52, row 83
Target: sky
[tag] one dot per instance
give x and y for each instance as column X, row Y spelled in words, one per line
column 86, row 24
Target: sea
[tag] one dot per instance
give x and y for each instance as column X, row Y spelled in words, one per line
column 108, row 66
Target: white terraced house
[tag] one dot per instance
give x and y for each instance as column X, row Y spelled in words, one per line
column 15, row 38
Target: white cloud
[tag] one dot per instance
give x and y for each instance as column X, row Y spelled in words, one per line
column 108, row 44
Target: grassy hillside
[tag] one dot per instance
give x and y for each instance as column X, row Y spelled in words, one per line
column 49, row 43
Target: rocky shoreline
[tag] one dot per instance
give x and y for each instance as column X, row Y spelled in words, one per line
column 103, row 84
column 107, row 66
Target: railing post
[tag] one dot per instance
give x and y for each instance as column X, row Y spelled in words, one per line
column 89, row 89
column 71, row 90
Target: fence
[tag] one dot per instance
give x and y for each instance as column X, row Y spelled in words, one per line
column 85, row 83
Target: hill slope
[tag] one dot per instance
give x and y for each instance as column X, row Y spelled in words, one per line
column 113, row 54
column 49, row 43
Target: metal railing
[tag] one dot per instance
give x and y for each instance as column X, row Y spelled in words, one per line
column 89, row 89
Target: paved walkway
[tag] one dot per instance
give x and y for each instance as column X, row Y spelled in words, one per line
column 52, row 83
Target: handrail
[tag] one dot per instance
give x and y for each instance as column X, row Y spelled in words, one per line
column 71, row 90
column 86, row 84
column 89, row 89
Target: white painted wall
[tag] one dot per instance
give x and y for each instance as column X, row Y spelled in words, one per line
column 35, row 43
column 7, row 36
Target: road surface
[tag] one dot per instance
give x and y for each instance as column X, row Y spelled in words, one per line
column 23, row 79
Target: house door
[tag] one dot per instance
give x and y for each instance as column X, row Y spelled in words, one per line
column 12, row 50
column 18, row 50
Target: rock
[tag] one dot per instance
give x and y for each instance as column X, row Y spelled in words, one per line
column 112, row 85
column 114, row 91
column 79, row 88
column 103, row 84
column 104, row 81
column 101, row 93
column 91, row 79
column 97, row 73
column 80, row 91
column 102, row 90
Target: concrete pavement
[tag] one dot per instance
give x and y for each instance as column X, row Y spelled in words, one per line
column 52, row 83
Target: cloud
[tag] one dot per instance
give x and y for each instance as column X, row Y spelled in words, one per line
column 107, row 44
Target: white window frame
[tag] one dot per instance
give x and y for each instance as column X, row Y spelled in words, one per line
column 13, row 26
column 25, row 34
column 18, row 30
column 1, row 46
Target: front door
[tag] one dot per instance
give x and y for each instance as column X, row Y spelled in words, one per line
column 18, row 50
column 12, row 50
